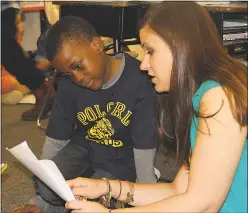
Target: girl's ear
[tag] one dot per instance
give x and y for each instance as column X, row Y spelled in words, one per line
column 97, row 44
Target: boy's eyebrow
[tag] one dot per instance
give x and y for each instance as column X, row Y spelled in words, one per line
column 72, row 64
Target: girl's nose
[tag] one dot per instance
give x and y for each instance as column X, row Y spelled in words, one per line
column 145, row 63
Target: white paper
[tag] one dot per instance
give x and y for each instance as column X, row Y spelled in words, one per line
column 45, row 170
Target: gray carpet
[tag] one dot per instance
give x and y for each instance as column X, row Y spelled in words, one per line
column 17, row 186
column 16, row 180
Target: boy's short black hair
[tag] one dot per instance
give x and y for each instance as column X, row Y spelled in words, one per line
column 68, row 29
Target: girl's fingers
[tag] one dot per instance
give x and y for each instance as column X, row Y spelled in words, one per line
column 77, row 182
column 82, row 191
column 77, row 211
column 75, row 204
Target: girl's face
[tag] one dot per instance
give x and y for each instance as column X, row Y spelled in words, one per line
column 19, row 27
column 158, row 59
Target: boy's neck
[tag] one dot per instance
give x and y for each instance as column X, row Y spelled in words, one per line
column 112, row 66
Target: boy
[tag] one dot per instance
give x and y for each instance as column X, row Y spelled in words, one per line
column 101, row 123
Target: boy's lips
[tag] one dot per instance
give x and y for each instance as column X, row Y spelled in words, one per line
column 86, row 82
column 89, row 84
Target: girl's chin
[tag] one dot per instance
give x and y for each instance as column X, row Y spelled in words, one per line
column 160, row 89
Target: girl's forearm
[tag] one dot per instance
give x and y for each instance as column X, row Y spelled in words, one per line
column 144, row 194
column 178, row 203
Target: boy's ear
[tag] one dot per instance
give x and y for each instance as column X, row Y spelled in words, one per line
column 97, row 44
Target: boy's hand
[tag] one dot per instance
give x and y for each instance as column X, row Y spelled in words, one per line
column 88, row 188
column 27, row 209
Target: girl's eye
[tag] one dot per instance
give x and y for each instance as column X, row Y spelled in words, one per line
column 150, row 52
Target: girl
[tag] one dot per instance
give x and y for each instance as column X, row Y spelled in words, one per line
column 202, row 104
column 23, row 70
column 12, row 91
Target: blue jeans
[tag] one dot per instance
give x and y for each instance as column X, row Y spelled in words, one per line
column 73, row 162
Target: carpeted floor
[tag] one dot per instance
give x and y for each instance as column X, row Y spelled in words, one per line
column 16, row 181
column 17, row 186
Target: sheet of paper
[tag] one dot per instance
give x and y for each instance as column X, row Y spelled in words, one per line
column 45, row 170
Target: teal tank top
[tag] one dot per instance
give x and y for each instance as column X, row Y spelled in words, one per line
column 236, row 200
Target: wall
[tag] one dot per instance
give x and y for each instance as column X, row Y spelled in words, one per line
column 32, row 30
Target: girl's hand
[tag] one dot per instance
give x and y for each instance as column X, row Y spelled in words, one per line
column 85, row 206
column 88, row 188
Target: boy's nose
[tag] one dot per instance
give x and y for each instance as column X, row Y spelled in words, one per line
column 77, row 76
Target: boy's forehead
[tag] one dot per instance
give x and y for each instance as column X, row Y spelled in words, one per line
column 71, row 52
column 74, row 40
column 72, row 48
column 74, row 44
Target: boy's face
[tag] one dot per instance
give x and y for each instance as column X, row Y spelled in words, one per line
column 83, row 62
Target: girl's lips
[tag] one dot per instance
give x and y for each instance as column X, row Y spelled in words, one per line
column 154, row 80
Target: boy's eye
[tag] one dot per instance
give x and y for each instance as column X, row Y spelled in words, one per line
column 78, row 67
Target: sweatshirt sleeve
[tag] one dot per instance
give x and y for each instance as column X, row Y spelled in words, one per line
column 22, row 68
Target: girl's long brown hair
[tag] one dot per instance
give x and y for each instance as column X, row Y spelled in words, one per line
column 198, row 56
